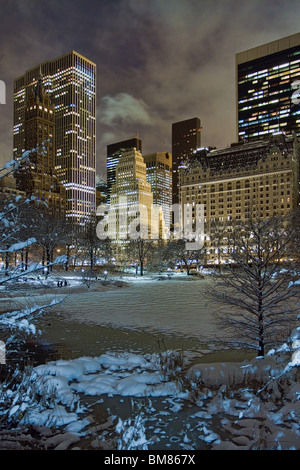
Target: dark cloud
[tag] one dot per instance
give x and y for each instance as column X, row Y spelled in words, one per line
column 158, row 61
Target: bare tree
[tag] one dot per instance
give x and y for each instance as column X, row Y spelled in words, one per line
column 50, row 233
column 293, row 249
column 92, row 246
column 140, row 251
column 176, row 252
column 257, row 304
column 18, row 233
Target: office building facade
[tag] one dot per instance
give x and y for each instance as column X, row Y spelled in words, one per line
column 186, row 137
column 130, row 193
column 114, row 153
column 159, row 175
column 267, row 89
column 70, row 81
column 255, row 179
column 36, row 175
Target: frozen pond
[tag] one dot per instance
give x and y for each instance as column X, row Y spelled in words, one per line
column 169, row 307
column 145, row 317
column 141, row 318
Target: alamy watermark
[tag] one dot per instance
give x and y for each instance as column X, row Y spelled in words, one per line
column 127, row 220
column 2, row 92
column 2, row 352
column 296, row 95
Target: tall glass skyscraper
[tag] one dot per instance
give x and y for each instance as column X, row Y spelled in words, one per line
column 267, row 89
column 70, row 81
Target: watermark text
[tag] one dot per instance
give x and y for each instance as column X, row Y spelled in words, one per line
column 2, row 352
column 125, row 219
column 2, row 92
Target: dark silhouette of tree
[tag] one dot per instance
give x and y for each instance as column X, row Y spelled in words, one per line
column 176, row 252
column 256, row 293
column 140, row 251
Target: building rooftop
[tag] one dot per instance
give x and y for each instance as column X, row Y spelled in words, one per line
column 239, row 155
column 268, row 48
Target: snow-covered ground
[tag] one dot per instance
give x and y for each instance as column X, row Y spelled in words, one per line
column 182, row 406
column 206, row 400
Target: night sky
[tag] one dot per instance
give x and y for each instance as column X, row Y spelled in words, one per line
column 158, row 61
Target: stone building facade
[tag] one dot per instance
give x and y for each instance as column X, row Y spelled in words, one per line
column 257, row 179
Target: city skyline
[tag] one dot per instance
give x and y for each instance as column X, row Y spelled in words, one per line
column 157, row 63
column 70, row 81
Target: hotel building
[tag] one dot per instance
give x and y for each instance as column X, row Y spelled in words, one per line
column 267, row 89
column 70, row 81
column 258, row 178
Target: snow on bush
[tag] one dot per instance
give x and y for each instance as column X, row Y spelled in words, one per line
column 21, row 320
column 131, row 433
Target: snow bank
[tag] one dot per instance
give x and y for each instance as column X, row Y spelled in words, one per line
column 232, row 373
column 262, row 369
column 114, row 374
column 63, row 384
column 219, row 389
column 124, row 375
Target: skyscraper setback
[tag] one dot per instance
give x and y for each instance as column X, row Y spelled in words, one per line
column 114, row 153
column 131, row 192
column 267, row 86
column 70, row 81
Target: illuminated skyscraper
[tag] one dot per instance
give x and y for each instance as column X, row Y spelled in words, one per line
column 36, row 176
column 114, row 153
column 186, row 137
column 70, row 81
column 130, row 193
column 159, row 175
column 267, row 89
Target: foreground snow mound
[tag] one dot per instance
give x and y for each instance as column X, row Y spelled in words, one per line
column 114, row 374
column 256, row 404
column 124, row 374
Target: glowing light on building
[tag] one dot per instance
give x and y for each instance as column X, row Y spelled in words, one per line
column 267, row 89
column 70, row 81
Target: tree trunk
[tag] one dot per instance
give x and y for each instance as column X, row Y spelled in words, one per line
column 92, row 259
column 187, row 268
column 68, row 258
column 261, row 343
column 26, row 258
column 7, row 256
column 48, row 255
